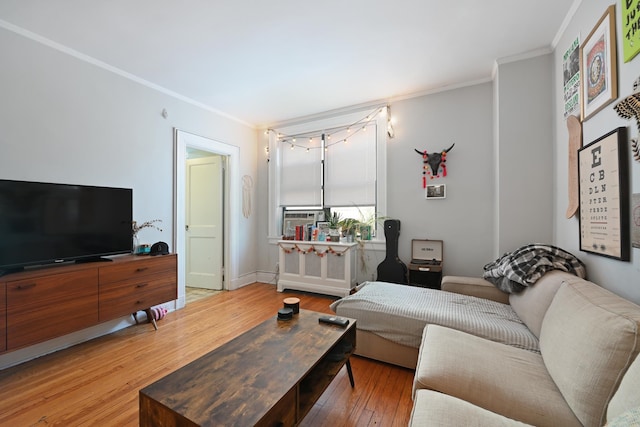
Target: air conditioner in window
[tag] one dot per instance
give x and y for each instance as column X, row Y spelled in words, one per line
column 293, row 218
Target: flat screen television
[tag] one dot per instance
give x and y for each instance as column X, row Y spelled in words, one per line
column 45, row 223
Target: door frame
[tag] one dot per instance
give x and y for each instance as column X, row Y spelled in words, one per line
column 231, row 210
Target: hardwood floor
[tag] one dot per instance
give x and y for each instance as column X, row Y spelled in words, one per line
column 96, row 383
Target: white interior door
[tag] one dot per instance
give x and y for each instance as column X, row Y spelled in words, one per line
column 203, row 229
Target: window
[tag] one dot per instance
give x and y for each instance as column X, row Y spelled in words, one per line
column 336, row 163
column 350, row 169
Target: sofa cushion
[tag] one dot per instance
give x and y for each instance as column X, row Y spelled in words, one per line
column 475, row 287
column 589, row 337
column 497, row 377
column 627, row 396
column 532, row 303
column 431, row 408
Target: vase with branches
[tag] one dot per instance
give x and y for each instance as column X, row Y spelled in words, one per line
column 135, row 228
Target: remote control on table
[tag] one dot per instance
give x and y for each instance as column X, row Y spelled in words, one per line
column 333, row 320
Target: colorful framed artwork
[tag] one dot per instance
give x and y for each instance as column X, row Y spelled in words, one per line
column 604, row 196
column 630, row 29
column 598, row 66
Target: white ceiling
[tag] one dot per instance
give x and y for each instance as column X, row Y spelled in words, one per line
column 263, row 62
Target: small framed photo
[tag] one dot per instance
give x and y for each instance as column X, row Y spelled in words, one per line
column 598, row 66
column 435, row 192
column 323, row 226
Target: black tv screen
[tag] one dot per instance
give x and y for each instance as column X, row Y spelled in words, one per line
column 44, row 223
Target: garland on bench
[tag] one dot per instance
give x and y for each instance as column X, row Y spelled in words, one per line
column 311, row 249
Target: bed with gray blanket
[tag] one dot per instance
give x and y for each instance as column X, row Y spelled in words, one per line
column 392, row 317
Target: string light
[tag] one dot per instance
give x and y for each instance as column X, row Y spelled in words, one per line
column 327, row 133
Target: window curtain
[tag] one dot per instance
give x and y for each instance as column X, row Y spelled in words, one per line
column 301, row 174
column 350, row 170
column 340, row 173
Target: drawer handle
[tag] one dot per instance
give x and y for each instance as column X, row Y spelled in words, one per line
column 26, row 286
column 141, row 269
column 141, row 285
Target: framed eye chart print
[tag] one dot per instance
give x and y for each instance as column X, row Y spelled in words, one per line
column 604, row 196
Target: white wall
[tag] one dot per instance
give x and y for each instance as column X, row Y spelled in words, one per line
column 620, row 277
column 464, row 219
column 523, row 137
column 65, row 120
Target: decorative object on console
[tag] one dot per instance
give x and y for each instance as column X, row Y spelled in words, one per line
column 159, row 248
column 604, row 196
column 433, row 163
column 598, row 66
column 629, row 108
column 392, row 269
column 136, row 248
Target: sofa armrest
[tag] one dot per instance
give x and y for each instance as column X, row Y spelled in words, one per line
column 474, row 286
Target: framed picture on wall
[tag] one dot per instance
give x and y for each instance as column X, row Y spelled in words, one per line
column 604, row 196
column 631, row 35
column 436, row 192
column 598, row 66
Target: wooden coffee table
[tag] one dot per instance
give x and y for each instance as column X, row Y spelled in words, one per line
column 270, row 375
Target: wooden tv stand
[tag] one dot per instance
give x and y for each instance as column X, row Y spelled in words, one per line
column 41, row 304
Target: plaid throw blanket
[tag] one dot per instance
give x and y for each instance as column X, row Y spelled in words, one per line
column 514, row 271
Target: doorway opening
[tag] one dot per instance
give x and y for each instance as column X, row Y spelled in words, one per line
column 203, row 213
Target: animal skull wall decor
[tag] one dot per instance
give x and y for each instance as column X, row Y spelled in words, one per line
column 433, row 163
column 629, row 108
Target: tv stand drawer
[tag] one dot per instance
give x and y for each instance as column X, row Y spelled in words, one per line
column 129, row 296
column 45, row 307
column 138, row 267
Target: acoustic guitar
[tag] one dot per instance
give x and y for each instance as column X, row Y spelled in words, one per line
column 392, row 269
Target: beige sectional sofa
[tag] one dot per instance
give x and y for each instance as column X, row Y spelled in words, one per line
column 586, row 374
